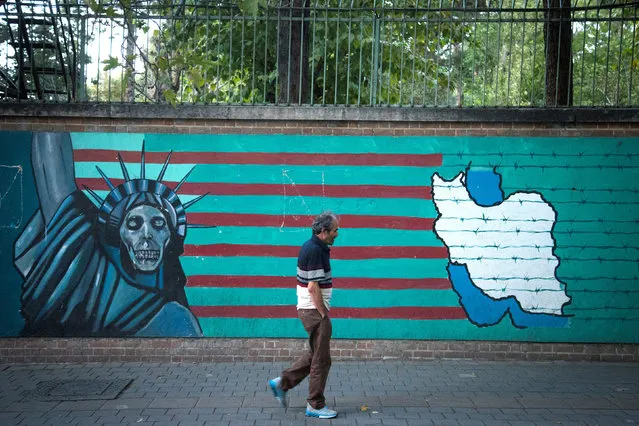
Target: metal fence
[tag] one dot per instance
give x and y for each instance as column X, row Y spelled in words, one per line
column 445, row 53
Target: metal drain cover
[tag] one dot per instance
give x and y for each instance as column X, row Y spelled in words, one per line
column 76, row 390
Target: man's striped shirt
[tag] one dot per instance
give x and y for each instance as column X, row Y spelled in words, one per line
column 313, row 264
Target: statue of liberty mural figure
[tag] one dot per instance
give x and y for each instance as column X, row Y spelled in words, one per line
column 107, row 271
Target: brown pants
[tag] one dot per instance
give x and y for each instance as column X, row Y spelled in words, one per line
column 316, row 362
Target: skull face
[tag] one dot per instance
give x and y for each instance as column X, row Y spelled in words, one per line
column 145, row 234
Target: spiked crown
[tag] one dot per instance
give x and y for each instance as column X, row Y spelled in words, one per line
column 132, row 192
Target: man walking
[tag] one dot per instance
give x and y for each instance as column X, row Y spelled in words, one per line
column 314, row 288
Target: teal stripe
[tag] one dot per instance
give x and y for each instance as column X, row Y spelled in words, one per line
column 579, row 330
column 284, row 267
column 593, row 241
column 595, row 269
column 296, row 143
column 353, row 144
column 252, row 327
column 350, row 237
column 533, row 179
column 596, row 253
column 601, row 286
column 118, row 141
column 260, row 143
column 593, row 212
column 467, row 148
column 279, row 175
column 566, row 161
column 280, row 205
column 629, row 226
column 224, row 296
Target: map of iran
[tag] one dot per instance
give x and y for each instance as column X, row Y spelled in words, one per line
column 501, row 251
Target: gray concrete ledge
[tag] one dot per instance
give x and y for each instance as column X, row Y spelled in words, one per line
column 319, row 113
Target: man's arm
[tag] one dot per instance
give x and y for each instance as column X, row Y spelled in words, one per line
column 52, row 160
column 316, row 298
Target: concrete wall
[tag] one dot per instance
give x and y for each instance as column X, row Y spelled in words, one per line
column 498, row 231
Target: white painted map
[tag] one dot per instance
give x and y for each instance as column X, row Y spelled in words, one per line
column 507, row 248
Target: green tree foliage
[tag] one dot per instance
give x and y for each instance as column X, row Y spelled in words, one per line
column 372, row 52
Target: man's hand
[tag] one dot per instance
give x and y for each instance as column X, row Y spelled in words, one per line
column 316, row 298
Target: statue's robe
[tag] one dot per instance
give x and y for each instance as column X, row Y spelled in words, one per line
column 75, row 285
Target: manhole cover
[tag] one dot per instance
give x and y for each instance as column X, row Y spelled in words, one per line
column 75, row 390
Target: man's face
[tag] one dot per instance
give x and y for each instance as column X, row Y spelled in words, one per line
column 328, row 236
column 145, row 234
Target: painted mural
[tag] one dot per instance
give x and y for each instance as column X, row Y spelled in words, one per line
column 474, row 238
column 104, row 269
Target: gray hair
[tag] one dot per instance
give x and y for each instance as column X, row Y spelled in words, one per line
column 323, row 222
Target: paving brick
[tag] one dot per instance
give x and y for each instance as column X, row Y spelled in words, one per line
column 173, row 403
column 400, row 392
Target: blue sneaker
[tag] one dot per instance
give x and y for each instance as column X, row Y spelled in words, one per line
column 322, row 413
column 278, row 392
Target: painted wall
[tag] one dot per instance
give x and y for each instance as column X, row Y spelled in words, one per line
column 496, row 238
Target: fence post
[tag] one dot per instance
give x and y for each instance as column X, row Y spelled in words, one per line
column 376, row 41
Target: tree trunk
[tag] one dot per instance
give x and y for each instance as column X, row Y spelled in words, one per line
column 558, row 39
column 292, row 57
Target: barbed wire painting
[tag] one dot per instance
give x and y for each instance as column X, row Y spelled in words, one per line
column 500, row 250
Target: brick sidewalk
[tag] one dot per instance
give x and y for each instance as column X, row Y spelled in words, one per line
column 364, row 393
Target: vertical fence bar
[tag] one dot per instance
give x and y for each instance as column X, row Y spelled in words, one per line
column 312, row 55
column 510, row 53
column 266, row 73
column 375, row 59
column 594, row 62
column 460, row 62
column 413, row 54
column 218, row 54
column 254, row 60
column 451, row 53
column 389, row 34
column 619, row 56
column 230, row 76
column 570, row 82
column 605, row 95
column 110, row 55
column 401, row 60
column 476, row 14
column 484, row 78
column 632, row 56
column 582, row 80
column 325, row 53
column 534, row 62
column 520, row 101
column 361, row 59
column 348, row 55
column 499, row 25
column 337, row 24
column 289, row 51
column 426, row 54
column 82, row 81
column 146, row 67
column 439, row 34
column 242, row 88
column 303, row 62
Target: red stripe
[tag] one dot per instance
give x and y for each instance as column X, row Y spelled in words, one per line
column 295, row 221
column 290, row 158
column 343, row 253
column 355, row 191
column 408, row 312
column 247, row 281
